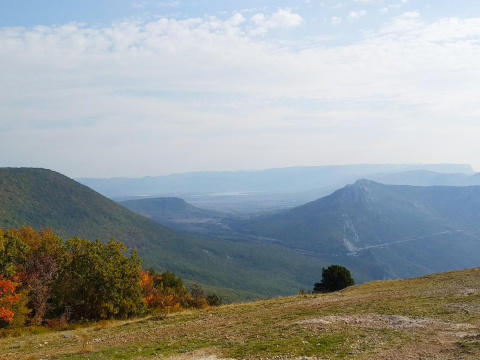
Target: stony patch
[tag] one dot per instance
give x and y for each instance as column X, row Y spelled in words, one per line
column 376, row 321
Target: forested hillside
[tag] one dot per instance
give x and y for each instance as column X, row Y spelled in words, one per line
column 377, row 231
column 42, row 198
column 388, row 231
column 173, row 212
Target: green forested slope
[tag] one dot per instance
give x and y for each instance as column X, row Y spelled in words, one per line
column 385, row 230
column 42, row 198
column 175, row 213
column 168, row 208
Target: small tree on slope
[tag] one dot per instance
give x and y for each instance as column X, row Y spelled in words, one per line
column 334, row 278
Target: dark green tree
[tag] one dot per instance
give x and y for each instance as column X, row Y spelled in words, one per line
column 198, row 297
column 334, row 278
column 13, row 252
column 170, row 281
column 214, row 300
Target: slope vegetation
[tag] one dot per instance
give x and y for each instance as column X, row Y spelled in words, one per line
column 42, row 198
column 173, row 212
column 389, row 231
column 433, row 317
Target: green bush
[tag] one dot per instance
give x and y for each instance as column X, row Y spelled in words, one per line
column 334, row 278
column 99, row 282
column 214, row 300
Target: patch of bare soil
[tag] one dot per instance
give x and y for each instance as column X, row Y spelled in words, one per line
column 197, row 356
column 468, row 308
column 468, row 292
column 437, row 340
column 378, row 321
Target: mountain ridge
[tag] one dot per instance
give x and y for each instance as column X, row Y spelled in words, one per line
column 293, row 179
column 43, row 198
column 368, row 220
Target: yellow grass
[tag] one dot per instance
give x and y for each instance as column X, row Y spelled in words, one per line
column 433, row 317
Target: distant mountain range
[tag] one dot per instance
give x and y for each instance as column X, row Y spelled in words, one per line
column 388, row 231
column 42, row 198
column 273, row 189
column 427, row 178
column 294, row 179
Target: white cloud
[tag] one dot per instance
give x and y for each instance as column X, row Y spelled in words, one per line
column 139, row 4
column 252, row 10
column 139, row 94
column 357, row 14
column 405, row 22
column 236, row 20
column 282, row 18
column 335, row 20
column 167, row 4
column 397, row 6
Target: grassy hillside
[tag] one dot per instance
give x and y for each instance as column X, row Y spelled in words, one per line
column 43, row 198
column 432, row 317
column 388, row 231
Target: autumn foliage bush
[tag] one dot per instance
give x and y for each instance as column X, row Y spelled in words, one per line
column 7, row 299
column 46, row 281
column 166, row 292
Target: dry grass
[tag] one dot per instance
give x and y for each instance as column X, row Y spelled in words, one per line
column 433, row 317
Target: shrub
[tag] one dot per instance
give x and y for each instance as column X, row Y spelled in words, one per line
column 334, row 278
column 99, row 282
column 214, row 300
column 12, row 304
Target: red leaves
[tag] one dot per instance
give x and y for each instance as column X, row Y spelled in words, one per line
column 6, row 315
column 7, row 299
column 6, row 286
column 146, row 283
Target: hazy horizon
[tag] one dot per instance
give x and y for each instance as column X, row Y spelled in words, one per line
column 132, row 88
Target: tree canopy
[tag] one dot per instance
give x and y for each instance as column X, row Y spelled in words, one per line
column 334, row 278
column 46, row 280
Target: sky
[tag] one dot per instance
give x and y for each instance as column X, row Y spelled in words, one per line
column 132, row 88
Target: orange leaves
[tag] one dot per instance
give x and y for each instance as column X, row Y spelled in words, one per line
column 148, row 289
column 7, row 299
column 6, row 315
column 7, row 286
column 146, row 283
column 158, row 297
column 150, row 300
column 161, row 301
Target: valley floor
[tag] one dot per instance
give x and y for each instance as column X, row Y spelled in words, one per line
column 432, row 317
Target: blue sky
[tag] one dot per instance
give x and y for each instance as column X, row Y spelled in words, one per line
column 137, row 88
